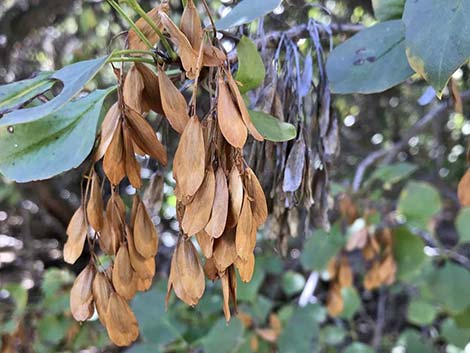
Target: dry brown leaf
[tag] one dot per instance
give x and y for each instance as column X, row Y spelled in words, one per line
column 345, row 274
column 191, row 26
column 102, row 290
column 81, row 294
column 230, row 120
column 332, row 268
column 387, row 270
column 226, row 295
column 151, row 94
column 95, row 208
column 210, row 270
column 246, row 267
column 198, row 212
column 213, row 56
column 187, row 54
column 145, row 234
column 189, row 161
column 244, row 230
column 77, row 233
column 144, row 268
column 463, row 190
column 144, row 136
column 144, row 284
column 206, row 243
column 335, row 302
column 256, row 193
column 132, row 166
column 225, row 251
column 121, row 324
column 218, row 220
column 123, row 274
column 108, row 127
column 242, row 107
column 114, row 159
column 372, row 279
column 347, row 209
column 275, row 323
column 133, row 90
column 267, row 334
column 174, row 104
column 135, row 43
column 235, row 190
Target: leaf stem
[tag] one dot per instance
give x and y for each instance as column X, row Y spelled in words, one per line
column 133, row 52
column 134, row 59
column 139, row 33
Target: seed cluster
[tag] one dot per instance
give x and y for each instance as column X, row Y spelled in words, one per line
column 219, row 198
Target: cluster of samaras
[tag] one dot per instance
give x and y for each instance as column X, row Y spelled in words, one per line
column 220, row 200
column 377, row 252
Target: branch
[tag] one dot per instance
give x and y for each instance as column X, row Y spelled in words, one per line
column 389, row 153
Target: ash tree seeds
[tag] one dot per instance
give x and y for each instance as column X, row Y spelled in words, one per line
column 220, row 202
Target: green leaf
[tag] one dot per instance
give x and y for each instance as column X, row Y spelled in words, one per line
column 332, row 335
column 251, row 71
column 462, row 319
column 224, row 337
column 73, row 77
column 14, row 94
column 145, row 348
column 462, row 223
column 449, row 286
column 415, row 343
column 56, row 143
column 295, row 338
column 52, row 329
column 245, row 12
column 371, row 61
column 249, row 291
column 419, row 202
column 271, row 128
column 408, row 251
column 454, row 334
column 392, row 173
column 292, row 282
column 421, row 312
column 358, row 347
column 320, row 248
column 352, row 302
column 437, row 41
column 388, row 9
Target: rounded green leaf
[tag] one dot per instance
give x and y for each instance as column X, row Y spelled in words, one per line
column 454, row 334
column 408, row 251
column 371, row 61
column 388, row 9
column 245, row 12
column 419, row 202
column 358, row 347
column 437, row 41
column 352, row 302
column 271, row 128
column 56, row 143
column 462, row 223
column 292, row 282
column 421, row 312
column 251, row 71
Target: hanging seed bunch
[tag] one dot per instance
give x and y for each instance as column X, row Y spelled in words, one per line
column 220, row 202
column 296, row 173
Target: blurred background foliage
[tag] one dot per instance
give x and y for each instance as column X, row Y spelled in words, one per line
column 287, row 306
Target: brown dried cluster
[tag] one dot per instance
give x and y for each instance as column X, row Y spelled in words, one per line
column 220, row 200
column 341, row 276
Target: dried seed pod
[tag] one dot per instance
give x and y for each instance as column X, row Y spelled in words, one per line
column 213, row 56
column 463, row 190
column 224, row 278
column 206, row 243
column 210, row 270
column 95, row 204
column 76, row 232
column 151, row 94
column 188, row 276
column 232, row 281
column 228, row 116
column 246, row 267
column 177, row 285
column 132, row 166
column 111, row 234
column 189, row 161
column 81, row 295
column 187, row 54
column 123, row 274
column 256, row 193
column 225, row 251
column 335, row 302
column 218, row 220
column 244, row 230
column 242, row 107
column 173, row 103
column 108, row 128
column 145, row 234
column 121, row 323
column 191, row 26
column 198, row 212
column 102, row 290
column 387, row 270
column 144, row 284
column 144, row 268
column 114, row 163
column 372, row 278
column 133, row 90
column 135, row 42
column 235, row 190
column 143, row 135
column 345, row 275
